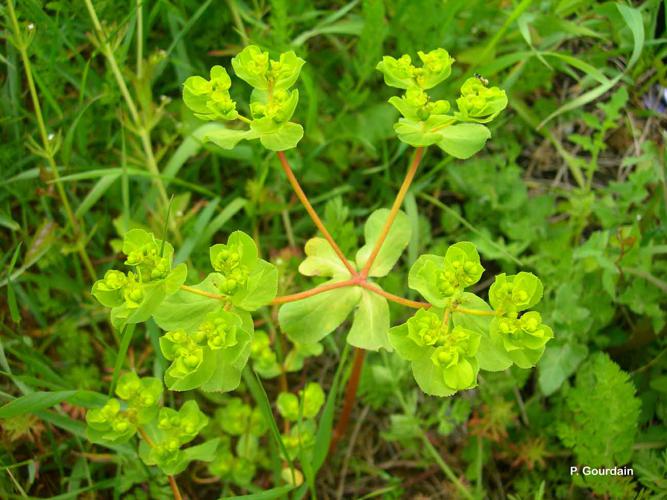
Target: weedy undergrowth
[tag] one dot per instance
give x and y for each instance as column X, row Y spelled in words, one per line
column 209, row 332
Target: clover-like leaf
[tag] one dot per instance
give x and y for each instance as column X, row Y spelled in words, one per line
column 394, row 244
column 321, row 260
column 311, row 319
column 370, row 326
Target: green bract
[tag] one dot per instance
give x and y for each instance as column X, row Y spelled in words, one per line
column 172, row 430
column 250, row 282
column 265, row 362
column 400, row 73
column 304, row 406
column 443, row 359
column 523, row 337
column 424, row 121
column 479, row 103
column 441, row 280
column 134, row 296
column 460, row 334
column 210, row 99
column 272, row 103
column 210, row 356
column 511, row 294
column 117, row 422
column 238, row 418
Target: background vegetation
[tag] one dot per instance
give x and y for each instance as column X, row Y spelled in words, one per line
column 572, row 187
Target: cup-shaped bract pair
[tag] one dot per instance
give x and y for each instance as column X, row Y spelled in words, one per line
column 237, row 418
column 117, row 422
column 272, row 103
column 172, row 430
column 401, row 73
column 250, row 282
column 218, row 347
column 133, row 297
column 521, row 332
column 443, row 358
column 479, row 103
column 443, row 279
column 210, row 99
column 304, row 406
column 253, row 65
column 265, row 361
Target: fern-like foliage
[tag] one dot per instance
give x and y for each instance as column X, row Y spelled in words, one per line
column 600, row 420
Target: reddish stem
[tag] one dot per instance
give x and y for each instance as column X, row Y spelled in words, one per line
column 313, row 291
column 409, row 176
column 350, row 396
column 174, row 488
column 311, row 211
column 394, row 298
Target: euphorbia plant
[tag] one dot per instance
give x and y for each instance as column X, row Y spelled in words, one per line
column 209, row 331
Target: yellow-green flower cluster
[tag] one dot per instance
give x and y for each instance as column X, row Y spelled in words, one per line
column 210, row 99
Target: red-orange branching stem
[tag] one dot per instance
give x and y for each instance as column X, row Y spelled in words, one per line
column 312, row 292
column 394, row 298
column 311, row 211
column 350, row 396
column 174, row 488
column 409, row 177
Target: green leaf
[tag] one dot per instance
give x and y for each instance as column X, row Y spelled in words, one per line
column 229, row 363
column 251, row 65
column 463, row 140
column 396, row 241
column 421, row 133
column 278, row 492
column 557, row 364
column 34, row 402
column 602, row 413
column 311, row 319
column 407, row 348
column 491, row 354
column 204, row 452
column 227, row 138
column 185, row 309
column 430, row 379
column 285, row 136
column 176, row 278
column 370, row 327
column 289, row 66
column 321, row 260
column 526, row 358
column 422, row 278
column 260, row 289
